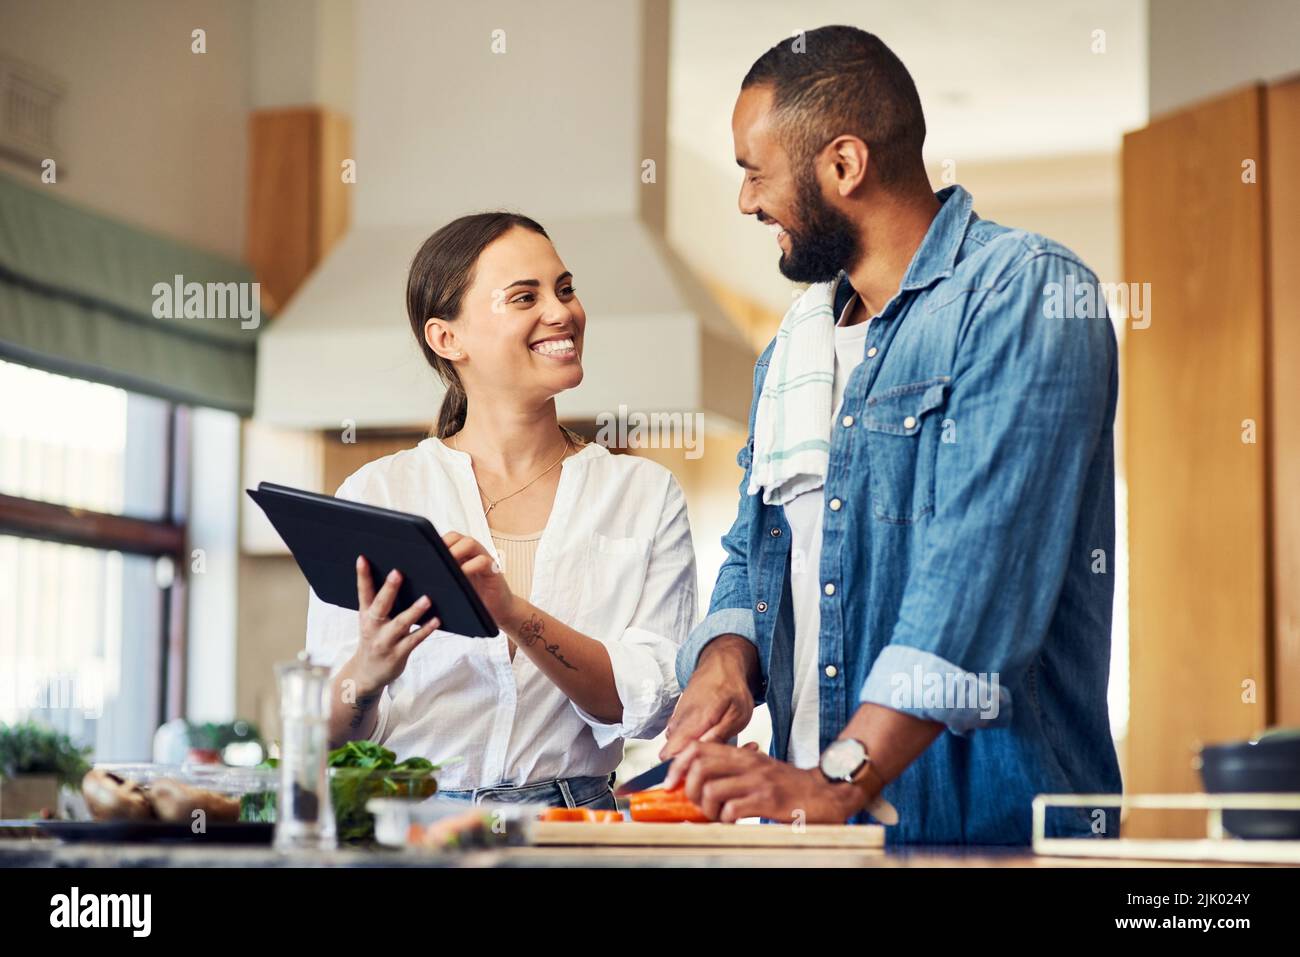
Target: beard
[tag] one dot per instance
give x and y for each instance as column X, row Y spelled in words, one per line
column 825, row 242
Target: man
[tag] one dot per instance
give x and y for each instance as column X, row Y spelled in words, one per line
column 918, row 581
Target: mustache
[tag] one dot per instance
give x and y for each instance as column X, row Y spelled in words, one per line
column 767, row 220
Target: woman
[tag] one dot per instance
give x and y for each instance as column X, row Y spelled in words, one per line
column 583, row 558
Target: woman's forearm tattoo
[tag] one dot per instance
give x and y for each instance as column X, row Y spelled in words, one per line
column 361, row 707
column 531, row 633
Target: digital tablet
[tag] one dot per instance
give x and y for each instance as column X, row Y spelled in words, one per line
column 326, row 535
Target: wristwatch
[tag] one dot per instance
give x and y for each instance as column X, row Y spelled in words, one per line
column 846, row 761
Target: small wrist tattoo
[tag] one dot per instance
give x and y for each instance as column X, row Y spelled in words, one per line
column 360, row 707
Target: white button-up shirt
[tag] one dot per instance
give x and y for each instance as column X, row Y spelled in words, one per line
column 615, row 563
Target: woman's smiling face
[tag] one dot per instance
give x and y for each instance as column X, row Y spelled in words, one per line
column 521, row 325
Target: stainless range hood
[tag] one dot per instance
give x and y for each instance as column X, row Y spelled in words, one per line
column 463, row 107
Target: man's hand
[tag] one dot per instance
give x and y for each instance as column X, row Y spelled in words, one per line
column 728, row 783
column 718, row 700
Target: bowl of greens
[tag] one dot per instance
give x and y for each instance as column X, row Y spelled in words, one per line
column 361, row 770
column 358, row 771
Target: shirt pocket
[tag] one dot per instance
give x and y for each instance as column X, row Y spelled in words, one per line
column 614, row 576
column 903, row 426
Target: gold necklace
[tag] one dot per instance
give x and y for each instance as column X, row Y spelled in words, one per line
column 493, row 503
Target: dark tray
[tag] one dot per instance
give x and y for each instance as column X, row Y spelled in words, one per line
column 1270, row 763
column 155, row 832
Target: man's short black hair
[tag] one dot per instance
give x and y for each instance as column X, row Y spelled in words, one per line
column 841, row 80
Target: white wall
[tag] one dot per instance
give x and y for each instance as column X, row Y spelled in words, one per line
column 550, row 127
column 1202, row 47
column 303, row 53
column 1072, row 199
column 148, row 132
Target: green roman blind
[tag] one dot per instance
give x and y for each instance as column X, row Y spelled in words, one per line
column 87, row 296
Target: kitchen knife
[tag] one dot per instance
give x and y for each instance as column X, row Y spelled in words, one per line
column 880, row 809
column 645, row 780
column 648, row 779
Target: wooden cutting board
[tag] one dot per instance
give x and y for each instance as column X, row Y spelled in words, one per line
column 642, row 834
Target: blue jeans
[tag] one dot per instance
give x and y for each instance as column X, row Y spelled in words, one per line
column 594, row 792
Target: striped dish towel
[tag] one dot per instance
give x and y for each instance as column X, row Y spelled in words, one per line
column 792, row 428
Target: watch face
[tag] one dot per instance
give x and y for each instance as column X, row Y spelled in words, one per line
column 842, row 759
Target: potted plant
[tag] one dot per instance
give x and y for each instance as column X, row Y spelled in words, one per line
column 208, row 741
column 34, row 762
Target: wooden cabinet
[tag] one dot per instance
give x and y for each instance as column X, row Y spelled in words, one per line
column 1210, row 405
column 298, row 201
column 299, row 205
column 1282, row 347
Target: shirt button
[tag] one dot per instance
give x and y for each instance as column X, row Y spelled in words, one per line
column 830, row 588
column 761, row 606
column 831, row 671
column 871, row 353
column 909, row 422
column 776, row 533
column 847, row 421
column 835, row 504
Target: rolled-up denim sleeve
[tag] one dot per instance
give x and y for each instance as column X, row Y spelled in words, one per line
column 731, row 607
column 917, row 682
column 725, row 621
column 1031, row 399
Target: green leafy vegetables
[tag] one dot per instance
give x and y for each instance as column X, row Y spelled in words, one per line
column 367, row 754
column 359, row 770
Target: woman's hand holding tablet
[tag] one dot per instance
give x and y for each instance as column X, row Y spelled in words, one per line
column 477, row 565
column 327, row 534
column 386, row 642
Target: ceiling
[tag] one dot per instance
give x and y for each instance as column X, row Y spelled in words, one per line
column 998, row 79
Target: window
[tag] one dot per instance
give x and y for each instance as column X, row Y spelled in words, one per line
column 91, row 539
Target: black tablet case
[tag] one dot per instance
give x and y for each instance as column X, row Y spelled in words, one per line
column 326, row 535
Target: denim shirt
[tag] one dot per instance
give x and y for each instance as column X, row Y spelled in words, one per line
column 968, row 562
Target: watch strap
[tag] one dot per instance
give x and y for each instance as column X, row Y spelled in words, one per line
column 879, row 808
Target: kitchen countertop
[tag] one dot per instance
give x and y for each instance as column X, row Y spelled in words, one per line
column 20, row 852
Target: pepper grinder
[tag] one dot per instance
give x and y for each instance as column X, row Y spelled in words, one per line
column 305, row 815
